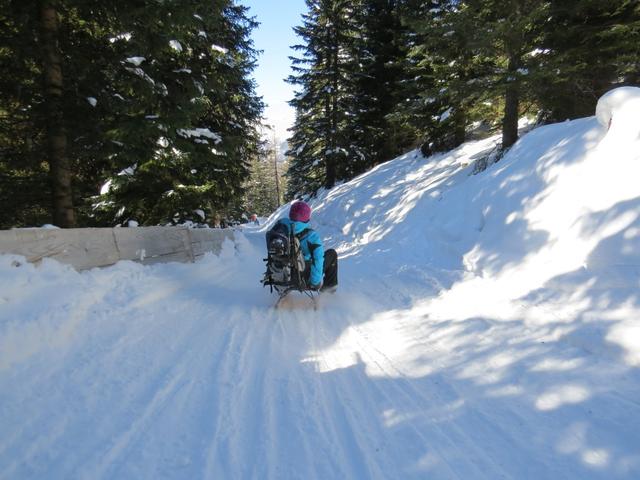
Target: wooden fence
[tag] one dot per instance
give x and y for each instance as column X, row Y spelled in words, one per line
column 85, row 248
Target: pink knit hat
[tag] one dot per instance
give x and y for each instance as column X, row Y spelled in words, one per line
column 300, row 212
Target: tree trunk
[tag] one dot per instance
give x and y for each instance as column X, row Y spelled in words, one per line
column 511, row 104
column 331, row 111
column 59, row 165
column 329, row 162
column 332, row 174
column 330, row 180
column 460, row 126
column 275, row 167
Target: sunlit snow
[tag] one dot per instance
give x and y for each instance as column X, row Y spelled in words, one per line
column 485, row 326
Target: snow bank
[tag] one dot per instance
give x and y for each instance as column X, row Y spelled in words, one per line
column 556, row 223
column 485, row 327
column 45, row 322
column 622, row 103
column 619, row 111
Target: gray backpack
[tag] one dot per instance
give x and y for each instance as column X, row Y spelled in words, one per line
column 285, row 262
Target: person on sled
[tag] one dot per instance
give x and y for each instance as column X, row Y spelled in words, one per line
column 322, row 265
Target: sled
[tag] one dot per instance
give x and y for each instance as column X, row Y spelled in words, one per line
column 286, row 266
column 283, row 295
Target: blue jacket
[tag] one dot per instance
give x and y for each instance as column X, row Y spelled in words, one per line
column 312, row 248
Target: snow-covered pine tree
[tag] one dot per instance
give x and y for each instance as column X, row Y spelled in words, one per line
column 189, row 125
column 560, row 56
column 83, row 55
column 416, row 107
column 263, row 190
column 507, row 32
column 475, row 53
column 492, row 61
column 348, row 74
column 441, row 70
column 305, row 174
column 25, row 193
column 374, row 74
column 158, row 91
column 317, row 146
column 589, row 46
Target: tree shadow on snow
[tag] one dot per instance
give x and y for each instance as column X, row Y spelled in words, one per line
column 550, row 393
column 494, row 404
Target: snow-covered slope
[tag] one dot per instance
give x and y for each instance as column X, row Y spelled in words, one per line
column 485, row 327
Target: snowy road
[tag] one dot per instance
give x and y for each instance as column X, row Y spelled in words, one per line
column 485, row 327
column 182, row 371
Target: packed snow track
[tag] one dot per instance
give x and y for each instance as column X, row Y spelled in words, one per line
column 485, row 327
column 185, row 371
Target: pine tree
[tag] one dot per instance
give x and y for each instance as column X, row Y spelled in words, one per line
column 478, row 53
column 374, row 75
column 155, row 90
column 516, row 29
column 589, row 46
column 446, row 74
column 25, row 193
column 445, row 54
column 198, row 116
column 318, row 147
column 518, row 55
column 306, row 174
column 56, row 135
column 266, row 181
column 415, row 109
column 50, row 53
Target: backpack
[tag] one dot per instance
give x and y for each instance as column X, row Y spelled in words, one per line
column 285, row 261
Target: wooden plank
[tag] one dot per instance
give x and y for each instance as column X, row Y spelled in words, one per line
column 97, row 247
column 208, row 240
column 209, row 235
column 200, row 248
column 145, row 243
column 8, row 241
column 180, row 257
column 82, row 248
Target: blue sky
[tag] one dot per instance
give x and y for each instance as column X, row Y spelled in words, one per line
column 274, row 36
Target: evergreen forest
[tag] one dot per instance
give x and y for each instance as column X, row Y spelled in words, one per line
column 376, row 78
column 145, row 111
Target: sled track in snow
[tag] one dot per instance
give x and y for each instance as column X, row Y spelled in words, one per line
column 237, row 392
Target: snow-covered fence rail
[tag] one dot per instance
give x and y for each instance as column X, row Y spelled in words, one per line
column 85, row 248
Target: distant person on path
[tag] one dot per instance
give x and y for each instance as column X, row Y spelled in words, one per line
column 254, row 219
column 321, row 265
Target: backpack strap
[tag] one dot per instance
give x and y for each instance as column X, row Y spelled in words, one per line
column 303, row 234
